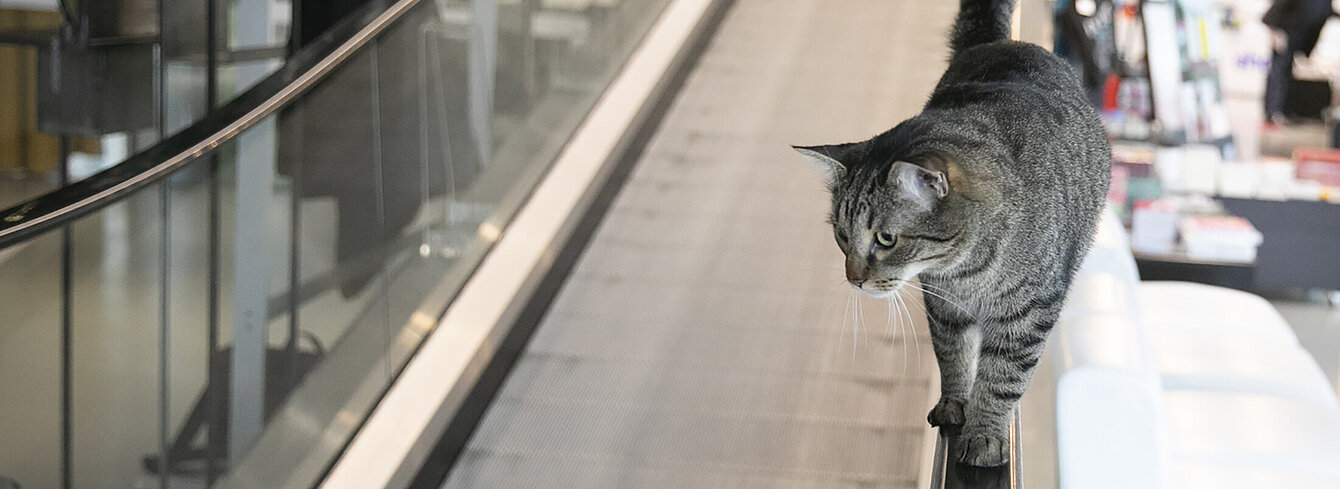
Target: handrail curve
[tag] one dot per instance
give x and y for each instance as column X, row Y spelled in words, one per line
column 303, row 71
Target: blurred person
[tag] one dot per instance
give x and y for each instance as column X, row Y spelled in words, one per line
column 357, row 138
column 1295, row 27
column 1085, row 38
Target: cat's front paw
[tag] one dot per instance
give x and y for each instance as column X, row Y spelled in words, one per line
column 947, row 412
column 981, row 447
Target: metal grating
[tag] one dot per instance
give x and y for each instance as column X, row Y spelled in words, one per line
column 700, row 340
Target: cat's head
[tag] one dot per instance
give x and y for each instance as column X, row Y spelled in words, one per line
column 894, row 215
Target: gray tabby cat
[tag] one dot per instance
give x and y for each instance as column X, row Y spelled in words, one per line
column 990, row 196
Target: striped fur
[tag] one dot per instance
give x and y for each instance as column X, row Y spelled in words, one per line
column 1026, row 162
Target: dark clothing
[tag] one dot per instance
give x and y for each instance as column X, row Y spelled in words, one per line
column 315, row 16
column 1279, row 77
column 1302, row 20
column 1088, row 43
column 373, row 136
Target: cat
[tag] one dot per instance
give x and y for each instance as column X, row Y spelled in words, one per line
column 990, row 196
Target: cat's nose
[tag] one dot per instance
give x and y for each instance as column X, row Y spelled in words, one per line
column 856, row 277
column 857, row 272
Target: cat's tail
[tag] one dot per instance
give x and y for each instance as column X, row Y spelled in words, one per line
column 980, row 22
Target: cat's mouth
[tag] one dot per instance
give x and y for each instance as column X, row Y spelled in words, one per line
column 883, row 289
column 878, row 291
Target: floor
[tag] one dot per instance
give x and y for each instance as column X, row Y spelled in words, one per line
column 705, row 338
column 1317, row 325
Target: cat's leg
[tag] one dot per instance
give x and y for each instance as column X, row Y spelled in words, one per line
column 1011, row 346
column 952, row 335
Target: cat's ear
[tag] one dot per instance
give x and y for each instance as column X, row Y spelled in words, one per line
column 829, row 158
column 924, row 186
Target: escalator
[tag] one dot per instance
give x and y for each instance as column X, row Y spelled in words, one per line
column 522, row 243
column 697, row 342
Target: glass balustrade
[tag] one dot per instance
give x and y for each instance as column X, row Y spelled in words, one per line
column 232, row 321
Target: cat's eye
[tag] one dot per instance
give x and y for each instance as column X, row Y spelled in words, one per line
column 885, row 239
column 842, row 237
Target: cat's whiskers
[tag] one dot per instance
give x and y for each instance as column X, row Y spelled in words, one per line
column 855, row 298
column 910, row 324
column 934, row 287
column 865, row 328
column 888, row 320
column 942, row 290
column 912, row 300
column 915, row 338
column 842, row 330
column 856, row 327
column 943, row 298
column 893, row 333
column 901, row 327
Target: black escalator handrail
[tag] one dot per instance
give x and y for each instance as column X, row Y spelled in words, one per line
column 304, row 70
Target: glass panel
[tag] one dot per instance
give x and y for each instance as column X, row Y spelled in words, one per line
column 192, row 337
column 30, row 356
column 253, row 291
column 329, row 354
column 342, row 243
column 425, row 141
column 116, row 342
column 183, row 46
column 346, row 222
column 254, row 42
